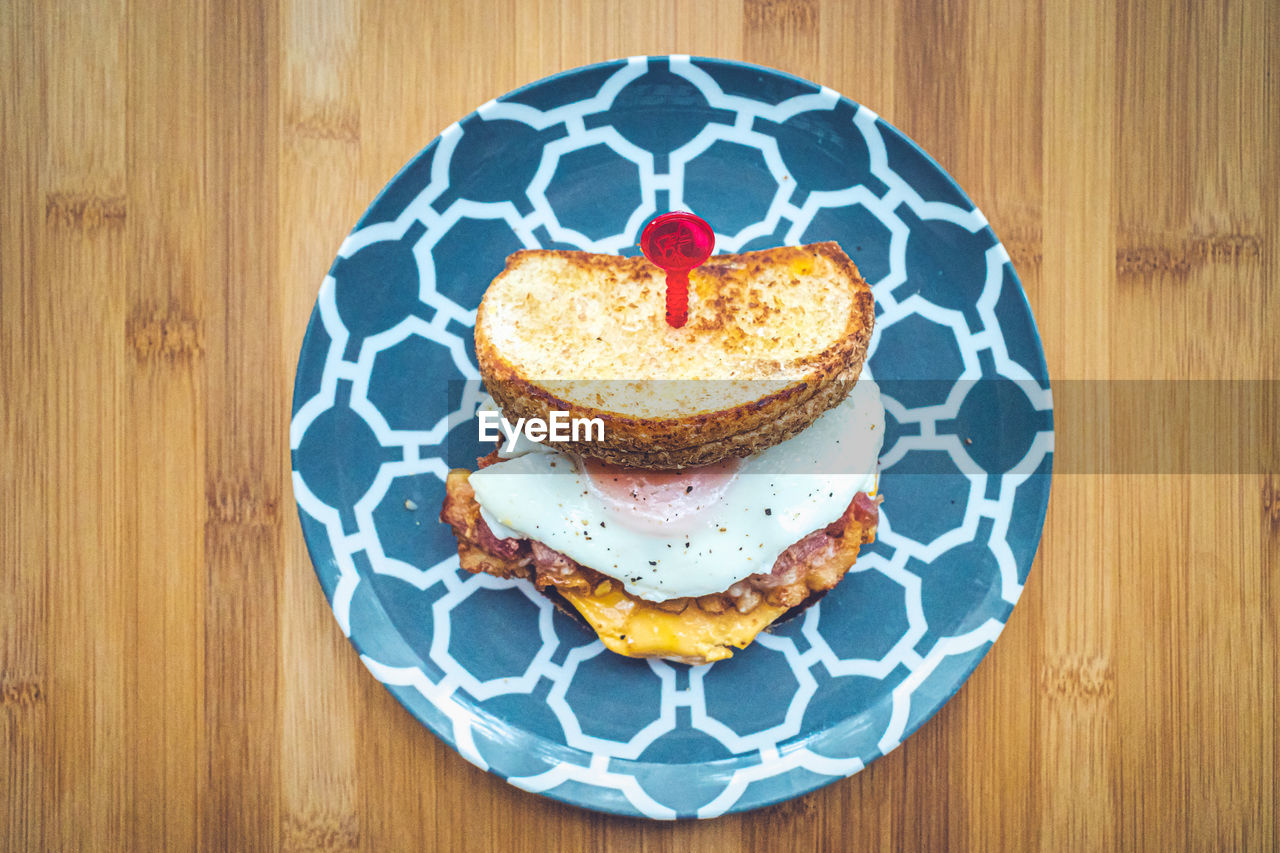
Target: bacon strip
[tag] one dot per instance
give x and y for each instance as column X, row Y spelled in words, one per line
column 815, row 563
column 479, row 550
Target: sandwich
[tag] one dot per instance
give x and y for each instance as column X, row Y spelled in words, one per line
column 728, row 472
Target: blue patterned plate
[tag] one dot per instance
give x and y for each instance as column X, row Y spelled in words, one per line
column 387, row 388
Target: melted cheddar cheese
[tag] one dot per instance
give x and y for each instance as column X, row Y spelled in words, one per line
column 801, row 266
column 630, row 626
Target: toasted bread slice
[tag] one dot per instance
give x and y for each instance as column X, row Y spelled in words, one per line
column 774, row 339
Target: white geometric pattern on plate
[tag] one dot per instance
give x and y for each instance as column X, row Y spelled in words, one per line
column 354, row 457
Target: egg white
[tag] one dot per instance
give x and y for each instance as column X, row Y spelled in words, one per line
column 779, row 496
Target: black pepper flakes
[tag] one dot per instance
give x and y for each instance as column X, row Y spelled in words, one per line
column 768, row 511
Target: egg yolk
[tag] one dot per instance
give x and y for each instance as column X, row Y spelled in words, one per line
column 660, row 502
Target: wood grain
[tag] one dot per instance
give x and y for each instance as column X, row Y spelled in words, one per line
column 177, row 178
column 165, row 343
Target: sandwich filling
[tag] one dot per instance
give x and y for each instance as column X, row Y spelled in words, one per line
column 693, row 629
column 680, row 564
column 666, row 535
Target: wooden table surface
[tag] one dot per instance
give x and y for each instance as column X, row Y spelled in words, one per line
column 176, row 180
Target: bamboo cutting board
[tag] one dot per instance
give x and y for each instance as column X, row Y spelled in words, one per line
column 176, row 180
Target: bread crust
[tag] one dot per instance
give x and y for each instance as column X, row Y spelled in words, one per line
column 792, row 394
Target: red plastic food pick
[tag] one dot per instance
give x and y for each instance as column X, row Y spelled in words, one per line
column 677, row 242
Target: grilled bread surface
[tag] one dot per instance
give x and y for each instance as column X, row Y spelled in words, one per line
column 774, row 339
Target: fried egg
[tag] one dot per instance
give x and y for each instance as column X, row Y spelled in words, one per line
column 670, row 534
